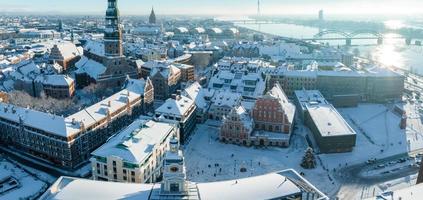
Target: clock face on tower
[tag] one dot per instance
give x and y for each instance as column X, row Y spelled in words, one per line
column 174, row 169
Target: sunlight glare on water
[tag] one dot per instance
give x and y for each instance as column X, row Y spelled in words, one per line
column 394, row 24
column 389, row 54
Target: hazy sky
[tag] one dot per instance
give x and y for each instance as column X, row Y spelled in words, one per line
column 217, row 7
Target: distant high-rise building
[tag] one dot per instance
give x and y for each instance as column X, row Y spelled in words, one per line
column 152, row 19
column 113, row 32
column 420, row 177
column 60, row 26
column 321, row 16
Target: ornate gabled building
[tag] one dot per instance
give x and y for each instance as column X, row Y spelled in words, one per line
column 105, row 63
column 166, row 80
column 66, row 54
column 237, row 127
column 152, row 19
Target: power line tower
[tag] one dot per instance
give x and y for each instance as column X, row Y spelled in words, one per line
column 258, row 8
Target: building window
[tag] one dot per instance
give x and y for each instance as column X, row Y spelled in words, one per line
column 114, row 163
column 115, row 176
column 124, row 171
column 133, row 179
column 174, row 187
column 132, row 173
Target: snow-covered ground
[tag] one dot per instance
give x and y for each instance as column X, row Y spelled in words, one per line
column 29, row 187
column 209, row 160
column 378, row 134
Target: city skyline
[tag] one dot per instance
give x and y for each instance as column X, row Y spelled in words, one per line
column 218, row 7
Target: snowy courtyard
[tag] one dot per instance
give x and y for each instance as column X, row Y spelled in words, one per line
column 209, row 160
column 378, row 134
column 19, row 182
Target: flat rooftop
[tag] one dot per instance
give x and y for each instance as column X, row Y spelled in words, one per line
column 328, row 121
column 136, row 142
column 309, row 97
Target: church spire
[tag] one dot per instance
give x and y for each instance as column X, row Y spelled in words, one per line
column 152, row 18
column 113, row 31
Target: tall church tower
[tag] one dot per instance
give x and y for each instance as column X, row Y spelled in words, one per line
column 152, row 18
column 113, row 32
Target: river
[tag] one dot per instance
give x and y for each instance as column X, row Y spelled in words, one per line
column 393, row 52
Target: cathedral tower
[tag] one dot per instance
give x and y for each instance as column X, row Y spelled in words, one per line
column 152, row 18
column 113, row 31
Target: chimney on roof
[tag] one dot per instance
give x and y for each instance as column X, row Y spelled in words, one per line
column 174, row 96
column 109, row 104
column 81, row 126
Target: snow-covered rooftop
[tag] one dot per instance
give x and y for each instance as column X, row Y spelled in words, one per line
column 312, row 97
column 250, row 85
column 289, row 108
column 44, row 121
column 226, row 98
column 244, row 116
column 72, row 124
column 67, row 188
column 414, row 192
column 165, row 69
column 136, row 142
column 328, row 121
column 269, row 186
column 196, row 93
column 56, row 80
column 68, row 49
column 90, row 67
column 176, row 107
column 95, row 47
column 99, row 111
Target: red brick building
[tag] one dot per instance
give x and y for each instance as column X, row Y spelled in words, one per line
column 273, row 117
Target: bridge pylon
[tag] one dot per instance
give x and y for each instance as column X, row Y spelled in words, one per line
column 348, row 41
column 380, row 40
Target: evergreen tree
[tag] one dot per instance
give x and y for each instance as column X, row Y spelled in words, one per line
column 309, row 161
